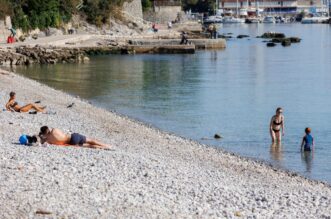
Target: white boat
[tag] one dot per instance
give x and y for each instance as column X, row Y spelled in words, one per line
column 253, row 20
column 243, row 12
column 213, row 19
column 269, row 20
column 314, row 20
column 233, row 20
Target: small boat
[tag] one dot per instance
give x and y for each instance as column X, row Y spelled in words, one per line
column 243, row 12
column 252, row 20
column 213, row 19
column 233, row 20
column 314, row 20
column 269, row 20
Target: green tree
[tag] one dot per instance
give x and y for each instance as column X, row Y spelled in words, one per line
column 199, row 5
column 147, row 4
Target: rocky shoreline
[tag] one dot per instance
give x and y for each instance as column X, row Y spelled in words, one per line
column 148, row 174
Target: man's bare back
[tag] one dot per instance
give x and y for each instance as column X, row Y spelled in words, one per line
column 57, row 137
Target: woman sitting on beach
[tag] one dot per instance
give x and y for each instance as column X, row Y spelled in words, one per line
column 277, row 125
column 13, row 106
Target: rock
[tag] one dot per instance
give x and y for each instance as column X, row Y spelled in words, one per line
column 35, row 36
column 276, row 40
column 22, row 38
column 237, row 214
column 86, row 59
column 270, row 44
column 217, row 136
column 242, row 36
column 273, row 35
column 54, row 32
column 286, row 43
column 40, row 211
column 224, row 36
column 286, row 40
column 295, row 39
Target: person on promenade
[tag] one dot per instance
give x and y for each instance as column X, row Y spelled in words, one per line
column 184, row 39
column 14, row 106
column 12, row 32
column 307, row 141
column 277, row 126
column 214, row 31
column 58, row 137
column 210, row 30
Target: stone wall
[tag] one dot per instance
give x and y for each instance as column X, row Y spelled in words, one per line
column 163, row 14
column 133, row 9
column 4, row 26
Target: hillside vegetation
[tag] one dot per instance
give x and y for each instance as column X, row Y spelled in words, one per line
column 31, row 14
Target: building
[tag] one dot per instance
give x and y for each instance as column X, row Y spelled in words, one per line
column 273, row 6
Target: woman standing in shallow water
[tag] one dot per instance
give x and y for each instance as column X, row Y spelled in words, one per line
column 277, row 126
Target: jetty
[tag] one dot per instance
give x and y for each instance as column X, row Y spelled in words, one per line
column 78, row 48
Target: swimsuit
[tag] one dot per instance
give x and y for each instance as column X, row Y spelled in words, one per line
column 77, row 139
column 13, row 107
column 308, row 139
column 275, row 123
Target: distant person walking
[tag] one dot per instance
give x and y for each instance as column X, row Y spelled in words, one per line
column 12, row 32
column 277, row 126
column 214, row 31
column 210, row 30
column 307, row 141
column 184, row 40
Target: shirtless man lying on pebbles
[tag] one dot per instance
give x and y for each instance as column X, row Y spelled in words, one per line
column 57, row 137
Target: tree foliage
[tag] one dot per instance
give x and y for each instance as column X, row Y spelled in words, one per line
column 31, row 14
column 199, row 5
column 147, row 4
column 99, row 11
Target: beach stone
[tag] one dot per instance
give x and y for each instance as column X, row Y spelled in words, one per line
column 273, row 35
column 242, row 36
column 286, row 43
column 295, row 39
column 270, row 44
column 217, row 136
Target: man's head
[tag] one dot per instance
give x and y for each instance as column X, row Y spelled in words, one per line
column 12, row 94
column 44, row 130
column 307, row 130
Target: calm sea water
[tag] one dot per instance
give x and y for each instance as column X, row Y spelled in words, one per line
column 233, row 92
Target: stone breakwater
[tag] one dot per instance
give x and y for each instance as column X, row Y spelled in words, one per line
column 74, row 52
column 149, row 173
column 25, row 55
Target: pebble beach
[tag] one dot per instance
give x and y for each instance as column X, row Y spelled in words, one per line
column 148, row 173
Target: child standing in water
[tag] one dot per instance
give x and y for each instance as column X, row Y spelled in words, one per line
column 307, row 141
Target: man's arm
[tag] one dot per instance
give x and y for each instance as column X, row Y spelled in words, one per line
column 303, row 143
column 313, row 145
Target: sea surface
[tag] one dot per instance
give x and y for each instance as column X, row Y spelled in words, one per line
column 233, row 92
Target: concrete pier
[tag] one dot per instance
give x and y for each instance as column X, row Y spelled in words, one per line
column 199, row 43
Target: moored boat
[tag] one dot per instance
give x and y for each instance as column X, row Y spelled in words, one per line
column 269, row 20
column 314, row 20
column 233, row 20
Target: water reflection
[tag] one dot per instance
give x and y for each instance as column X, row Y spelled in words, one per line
column 276, row 152
column 307, row 158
